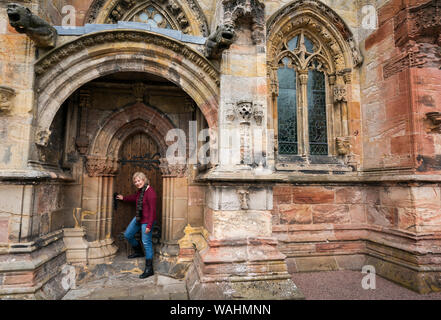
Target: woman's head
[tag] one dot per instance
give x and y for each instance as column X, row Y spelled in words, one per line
column 139, row 180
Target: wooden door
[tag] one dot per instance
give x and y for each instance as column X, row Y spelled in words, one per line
column 138, row 153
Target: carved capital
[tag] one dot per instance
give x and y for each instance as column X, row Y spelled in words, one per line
column 97, row 166
column 6, row 99
column 175, row 170
column 245, row 111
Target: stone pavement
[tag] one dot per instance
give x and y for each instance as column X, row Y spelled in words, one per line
column 120, row 281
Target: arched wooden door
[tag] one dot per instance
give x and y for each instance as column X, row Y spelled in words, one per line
column 138, row 153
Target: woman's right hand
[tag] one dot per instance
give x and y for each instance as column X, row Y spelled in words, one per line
column 119, row 197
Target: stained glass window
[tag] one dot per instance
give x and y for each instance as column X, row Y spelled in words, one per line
column 318, row 140
column 287, row 110
column 298, row 58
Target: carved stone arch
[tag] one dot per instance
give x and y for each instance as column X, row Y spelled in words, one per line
column 66, row 68
column 185, row 15
column 322, row 21
column 127, row 121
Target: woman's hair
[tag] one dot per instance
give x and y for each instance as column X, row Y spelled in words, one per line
column 141, row 176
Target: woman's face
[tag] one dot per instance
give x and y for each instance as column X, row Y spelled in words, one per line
column 139, row 183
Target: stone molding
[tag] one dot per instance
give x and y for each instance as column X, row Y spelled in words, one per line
column 6, row 99
column 55, row 56
column 112, row 11
column 83, row 60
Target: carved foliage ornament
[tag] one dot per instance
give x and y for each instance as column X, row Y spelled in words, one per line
column 101, row 166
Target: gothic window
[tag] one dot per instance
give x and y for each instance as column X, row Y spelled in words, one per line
column 301, row 100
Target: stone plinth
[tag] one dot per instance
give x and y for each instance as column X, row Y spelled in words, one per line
column 241, row 269
column 76, row 245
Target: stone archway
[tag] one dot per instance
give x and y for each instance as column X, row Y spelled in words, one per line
column 66, row 68
column 102, row 166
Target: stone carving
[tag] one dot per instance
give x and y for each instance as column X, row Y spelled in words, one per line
column 245, row 111
column 230, row 115
column 343, row 145
column 219, row 41
column 117, row 10
column 435, row 119
column 258, row 114
column 277, row 33
column 255, row 9
column 42, row 138
column 24, row 21
column 90, row 40
column 340, row 94
column 138, row 91
column 244, row 198
column 101, row 166
column 176, row 170
column 6, row 96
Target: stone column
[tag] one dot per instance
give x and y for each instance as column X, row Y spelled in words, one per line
column 96, row 216
column 174, row 215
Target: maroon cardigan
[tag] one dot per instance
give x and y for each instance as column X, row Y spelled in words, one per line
column 148, row 205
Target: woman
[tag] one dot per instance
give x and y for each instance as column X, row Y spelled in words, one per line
column 145, row 200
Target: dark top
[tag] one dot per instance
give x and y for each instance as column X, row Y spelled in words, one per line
column 148, row 205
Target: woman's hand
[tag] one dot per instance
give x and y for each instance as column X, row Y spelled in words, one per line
column 147, row 230
column 119, row 197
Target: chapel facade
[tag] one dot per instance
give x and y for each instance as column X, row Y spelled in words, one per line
column 281, row 136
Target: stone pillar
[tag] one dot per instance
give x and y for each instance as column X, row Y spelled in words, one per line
column 96, row 216
column 174, row 216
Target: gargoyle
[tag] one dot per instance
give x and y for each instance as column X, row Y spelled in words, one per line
column 219, row 41
column 24, row 21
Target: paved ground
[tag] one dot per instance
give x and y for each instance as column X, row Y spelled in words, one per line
column 347, row 285
column 119, row 281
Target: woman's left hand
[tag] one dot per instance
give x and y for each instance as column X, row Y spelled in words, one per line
column 147, row 230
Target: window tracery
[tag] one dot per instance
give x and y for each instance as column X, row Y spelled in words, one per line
column 310, row 63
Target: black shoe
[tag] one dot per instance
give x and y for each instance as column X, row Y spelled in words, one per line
column 138, row 253
column 148, row 271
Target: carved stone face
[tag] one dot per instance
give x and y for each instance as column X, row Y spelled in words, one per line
column 226, row 33
column 19, row 16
